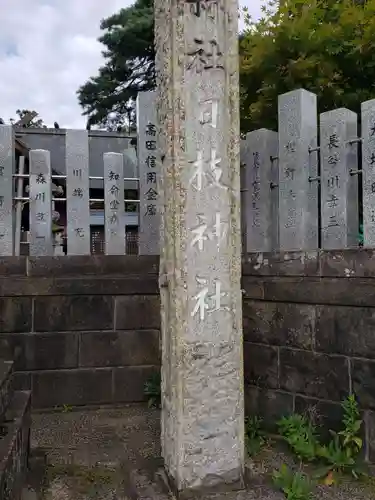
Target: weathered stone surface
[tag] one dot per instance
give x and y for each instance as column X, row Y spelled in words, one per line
column 6, row 385
column 281, row 264
column 149, row 171
column 368, row 175
column 53, row 314
column 256, row 358
column 339, row 189
column 298, row 195
column 137, row 312
column 114, row 205
column 94, row 265
column 71, row 387
column 102, row 285
column 346, row 330
column 12, row 266
column 41, row 203
column 41, row 351
column 279, row 324
column 269, row 404
column 370, row 428
column 14, row 447
column 317, row 375
column 15, row 314
column 333, row 291
column 198, row 112
column 363, row 381
column 77, row 192
column 120, row 348
column 258, row 151
column 6, row 189
column 129, row 383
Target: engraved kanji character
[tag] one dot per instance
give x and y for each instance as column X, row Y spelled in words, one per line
column 209, row 115
column 151, row 145
column 78, row 192
column 150, row 129
column 151, row 195
column 40, row 179
column 151, row 178
column 151, row 161
column 114, row 204
column 202, row 59
column 150, row 210
column 333, row 141
column 112, row 176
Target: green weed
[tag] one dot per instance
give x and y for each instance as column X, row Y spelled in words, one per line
column 294, row 485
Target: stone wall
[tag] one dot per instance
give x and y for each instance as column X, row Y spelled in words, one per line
column 88, row 330
column 309, row 331
column 87, row 327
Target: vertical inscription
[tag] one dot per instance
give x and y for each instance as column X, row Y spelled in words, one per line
column 339, row 190
column 78, row 192
column 298, row 197
column 41, row 242
column 114, row 204
column 6, row 189
column 258, row 155
column 149, row 164
column 198, row 117
column 368, row 171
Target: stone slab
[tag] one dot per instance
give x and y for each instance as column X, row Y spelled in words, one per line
column 149, row 162
column 114, row 206
column 40, row 203
column 298, row 192
column 339, row 187
column 77, row 192
column 368, row 171
column 259, row 159
column 198, row 116
column 6, row 189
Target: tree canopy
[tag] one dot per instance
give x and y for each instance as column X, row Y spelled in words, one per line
column 325, row 46
column 108, row 98
column 35, row 122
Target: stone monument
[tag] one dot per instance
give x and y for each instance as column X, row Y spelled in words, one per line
column 149, row 161
column 200, row 268
column 6, row 191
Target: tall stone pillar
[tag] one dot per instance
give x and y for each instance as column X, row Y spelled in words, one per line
column 200, row 268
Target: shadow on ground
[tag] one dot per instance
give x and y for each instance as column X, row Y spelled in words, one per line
column 114, row 454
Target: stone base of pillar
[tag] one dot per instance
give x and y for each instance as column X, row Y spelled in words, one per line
column 232, row 482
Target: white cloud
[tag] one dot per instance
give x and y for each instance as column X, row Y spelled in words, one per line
column 48, row 48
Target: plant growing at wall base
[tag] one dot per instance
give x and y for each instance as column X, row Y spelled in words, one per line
column 254, row 435
column 342, row 453
column 152, row 390
column 294, row 485
column 300, row 434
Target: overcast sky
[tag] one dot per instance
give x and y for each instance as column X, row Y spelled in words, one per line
column 48, row 48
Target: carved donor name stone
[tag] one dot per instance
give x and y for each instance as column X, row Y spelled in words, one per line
column 198, row 139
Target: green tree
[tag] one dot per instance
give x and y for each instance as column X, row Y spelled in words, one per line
column 35, row 122
column 325, row 46
column 108, row 98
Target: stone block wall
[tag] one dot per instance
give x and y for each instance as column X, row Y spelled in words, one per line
column 87, row 327
column 309, row 335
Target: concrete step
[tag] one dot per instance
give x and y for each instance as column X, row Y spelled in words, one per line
column 14, row 446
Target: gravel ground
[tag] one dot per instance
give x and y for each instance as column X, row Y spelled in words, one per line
column 114, row 454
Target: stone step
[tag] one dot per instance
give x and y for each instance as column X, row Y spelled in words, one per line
column 6, row 386
column 14, row 446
